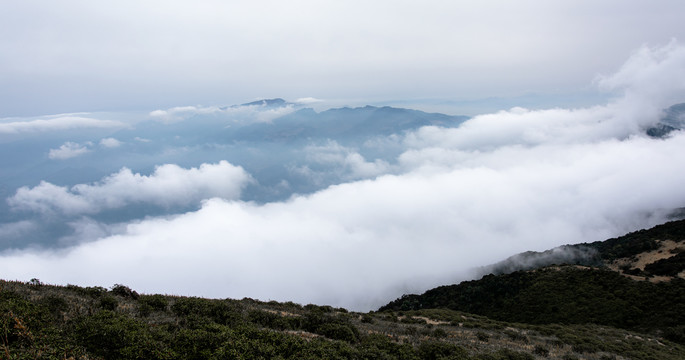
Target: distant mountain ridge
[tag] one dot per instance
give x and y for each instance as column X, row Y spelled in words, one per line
column 343, row 123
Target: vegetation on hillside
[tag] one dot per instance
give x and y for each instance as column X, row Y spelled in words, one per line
column 564, row 295
column 41, row 321
column 573, row 294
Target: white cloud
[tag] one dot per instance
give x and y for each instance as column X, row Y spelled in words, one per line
column 361, row 244
column 68, row 150
column 180, row 113
column 240, row 114
column 56, row 124
column 461, row 198
column 110, row 143
column 308, row 100
column 169, row 185
column 343, row 162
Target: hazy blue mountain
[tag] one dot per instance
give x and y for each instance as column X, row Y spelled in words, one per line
column 286, row 148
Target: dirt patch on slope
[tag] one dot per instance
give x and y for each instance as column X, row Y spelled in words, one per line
column 667, row 249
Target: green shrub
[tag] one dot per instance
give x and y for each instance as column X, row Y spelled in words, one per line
column 108, row 303
column 440, row 350
column 344, row 332
column 439, row 333
column 155, row 302
column 367, row 319
column 124, row 291
column 482, row 336
column 541, row 351
column 55, row 304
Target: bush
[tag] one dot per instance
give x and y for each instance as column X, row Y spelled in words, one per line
column 441, row 350
column 482, row 336
column 367, row 319
column 344, row 332
column 506, row 354
column 55, row 304
column 273, row 321
column 439, row 333
column 124, row 291
column 541, row 351
column 108, row 303
column 154, row 302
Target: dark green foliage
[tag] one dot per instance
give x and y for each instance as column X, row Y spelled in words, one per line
column 675, row 333
column 541, row 351
column 194, row 328
column 151, row 303
column 224, row 312
column 368, row 319
column 124, row 291
column 274, row 321
column 565, row 295
column 155, row 302
column 412, row 320
column 108, row 303
column 54, row 304
column 376, row 346
column 320, row 320
column 439, row 333
column 338, row 331
column 106, row 334
column 441, row 350
column 639, row 241
column 93, row 292
column 507, row 354
column 481, row 336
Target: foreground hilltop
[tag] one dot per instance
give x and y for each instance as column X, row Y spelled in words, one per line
column 608, row 310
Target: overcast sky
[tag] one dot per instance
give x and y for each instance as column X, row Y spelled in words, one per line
column 79, row 55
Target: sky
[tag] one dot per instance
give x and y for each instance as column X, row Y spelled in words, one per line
column 76, row 55
column 127, row 161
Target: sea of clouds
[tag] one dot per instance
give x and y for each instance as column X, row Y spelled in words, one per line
column 453, row 199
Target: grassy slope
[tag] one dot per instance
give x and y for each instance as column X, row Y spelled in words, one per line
column 54, row 322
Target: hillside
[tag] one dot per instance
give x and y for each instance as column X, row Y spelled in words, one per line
column 655, row 254
column 42, row 321
column 636, row 283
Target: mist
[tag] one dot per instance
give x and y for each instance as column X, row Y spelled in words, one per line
column 366, row 225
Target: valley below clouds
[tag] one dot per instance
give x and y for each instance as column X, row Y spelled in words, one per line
column 276, row 201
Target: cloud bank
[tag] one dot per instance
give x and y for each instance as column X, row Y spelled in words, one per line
column 455, row 199
column 68, row 150
column 56, row 124
column 110, row 143
column 169, row 185
column 254, row 112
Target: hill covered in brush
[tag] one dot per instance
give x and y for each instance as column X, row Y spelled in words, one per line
column 40, row 321
column 631, row 282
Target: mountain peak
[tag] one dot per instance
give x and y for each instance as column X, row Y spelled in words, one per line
column 267, row 102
